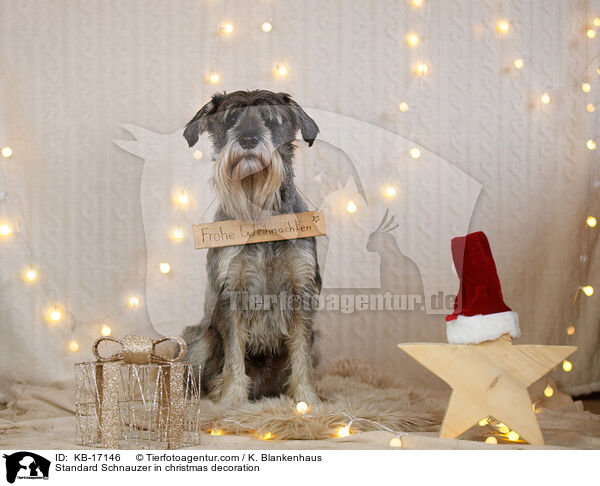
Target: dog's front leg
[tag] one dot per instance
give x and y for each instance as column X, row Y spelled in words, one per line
column 235, row 382
column 299, row 385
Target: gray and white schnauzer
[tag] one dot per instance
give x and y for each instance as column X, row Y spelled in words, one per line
column 248, row 352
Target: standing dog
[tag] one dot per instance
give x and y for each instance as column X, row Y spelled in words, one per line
column 248, row 351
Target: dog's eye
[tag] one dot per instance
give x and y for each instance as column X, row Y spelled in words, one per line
column 232, row 117
column 272, row 122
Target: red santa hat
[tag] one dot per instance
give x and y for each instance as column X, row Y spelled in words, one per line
column 480, row 313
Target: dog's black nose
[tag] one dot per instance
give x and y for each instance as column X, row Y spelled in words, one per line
column 249, row 141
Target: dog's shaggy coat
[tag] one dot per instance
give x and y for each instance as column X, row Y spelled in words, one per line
column 245, row 351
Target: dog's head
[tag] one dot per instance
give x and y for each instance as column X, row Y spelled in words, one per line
column 251, row 131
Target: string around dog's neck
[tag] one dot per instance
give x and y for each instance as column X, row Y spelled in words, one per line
column 208, row 207
column 311, row 205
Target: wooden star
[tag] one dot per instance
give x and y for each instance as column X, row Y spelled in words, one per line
column 489, row 379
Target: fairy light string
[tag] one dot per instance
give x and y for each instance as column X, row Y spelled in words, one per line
column 589, row 105
column 586, row 288
column 503, row 28
column 35, row 274
column 344, row 429
column 280, row 69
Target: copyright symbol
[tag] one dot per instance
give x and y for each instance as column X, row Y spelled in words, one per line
column 139, row 457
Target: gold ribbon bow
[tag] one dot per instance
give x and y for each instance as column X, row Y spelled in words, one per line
column 140, row 350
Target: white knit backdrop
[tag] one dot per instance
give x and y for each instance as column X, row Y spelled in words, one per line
column 74, row 72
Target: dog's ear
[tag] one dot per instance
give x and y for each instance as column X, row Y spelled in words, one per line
column 199, row 124
column 308, row 127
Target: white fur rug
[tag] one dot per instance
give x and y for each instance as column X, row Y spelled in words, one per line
column 350, row 391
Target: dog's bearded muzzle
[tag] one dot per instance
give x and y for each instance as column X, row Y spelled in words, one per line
column 248, row 179
column 248, row 163
column 239, row 162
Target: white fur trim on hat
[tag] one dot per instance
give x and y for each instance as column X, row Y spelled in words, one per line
column 479, row 328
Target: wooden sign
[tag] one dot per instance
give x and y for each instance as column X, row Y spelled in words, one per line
column 280, row 227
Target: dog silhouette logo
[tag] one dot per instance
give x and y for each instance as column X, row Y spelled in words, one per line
column 25, row 464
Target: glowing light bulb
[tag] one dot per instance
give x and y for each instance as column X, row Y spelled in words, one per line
column 165, row 268
column 215, row 431
column 227, row 28
column 415, row 153
column 588, row 290
column 5, row 230
column 503, row 26
column 512, row 435
column 545, row 98
column 55, row 315
column 281, row 70
column 213, row 77
column 597, row 21
column 267, row 436
column 412, row 39
column 391, row 191
column 591, row 107
column 73, row 346
column 590, row 144
column 178, row 233
column 483, row 422
column 134, row 301
column 198, row 154
column 586, row 87
column 403, row 107
column 183, row 198
column 491, row 440
column 519, row 63
column 302, row 408
column 396, row 442
column 106, row 330
column 421, row 69
column 567, row 365
column 344, row 431
column 266, row 27
column 591, row 221
column 570, row 330
column 31, row 274
column 548, row 391
column 416, row 3
column 503, row 429
column 591, row 33
column 351, row 207
column 6, row 152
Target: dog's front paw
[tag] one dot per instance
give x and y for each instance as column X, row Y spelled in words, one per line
column 233, row 395
column 306, row 394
